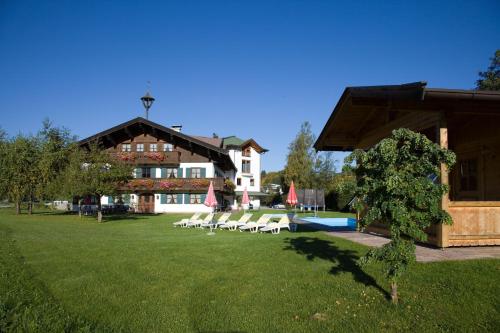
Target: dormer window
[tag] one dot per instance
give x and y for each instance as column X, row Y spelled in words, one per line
column 247, row 152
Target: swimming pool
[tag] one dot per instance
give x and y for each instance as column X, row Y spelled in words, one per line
column 330, row 223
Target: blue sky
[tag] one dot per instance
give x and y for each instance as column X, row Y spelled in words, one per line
column 252, row 69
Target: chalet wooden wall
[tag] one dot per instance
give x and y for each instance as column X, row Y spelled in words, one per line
column 186, row 155
column 474, row 226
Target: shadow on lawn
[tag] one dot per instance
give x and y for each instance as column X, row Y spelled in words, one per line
column 343, row 260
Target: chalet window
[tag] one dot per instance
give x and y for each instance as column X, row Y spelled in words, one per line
column 139, row 147
column 171, row 172
column 247, row 152
column 468, row 175
column 171, row 199
column 238, row 181
column 126, row 147
column 195, row 198
column 168, row 147
column 245, row 166
column 146, row 172
column 195, row 172
column 252, row 182
column 153, row 147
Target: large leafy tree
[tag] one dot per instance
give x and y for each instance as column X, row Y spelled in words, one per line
column 55, row 143
column 397, row 185
column 306, row 167
column 94, row 171
column 19, row 172
column 490, row 79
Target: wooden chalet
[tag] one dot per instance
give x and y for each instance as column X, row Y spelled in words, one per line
column 465, row 121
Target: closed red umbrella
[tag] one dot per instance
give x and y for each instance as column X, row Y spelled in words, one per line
column 245, row 200
column 210, row 200
column 292, row 196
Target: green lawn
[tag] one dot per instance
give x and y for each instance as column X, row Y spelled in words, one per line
column 138, row 273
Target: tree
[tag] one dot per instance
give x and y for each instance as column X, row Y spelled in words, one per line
column 94, row 171
column 306, row 167
column 490, row 79
column 300, row 158
column 396, row 186
column 55, row 146
column 19, row 172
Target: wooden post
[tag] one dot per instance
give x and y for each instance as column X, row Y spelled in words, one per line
column 443, row 230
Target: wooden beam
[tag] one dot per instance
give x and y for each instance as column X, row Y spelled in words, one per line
column 110, row 139
column 127, row 131
column 443, row 231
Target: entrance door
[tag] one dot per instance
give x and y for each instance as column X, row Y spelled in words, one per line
column 146, row 203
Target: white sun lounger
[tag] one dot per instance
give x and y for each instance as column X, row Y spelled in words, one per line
column 232, row 225
column 254, row 226
column 222, row 219
column 183, row 222
column 275, row 227
column 196, row 223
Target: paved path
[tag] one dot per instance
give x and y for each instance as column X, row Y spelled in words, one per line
column 424, row 253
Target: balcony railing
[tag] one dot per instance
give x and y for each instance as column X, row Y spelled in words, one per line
column 157, row 157
column 177, row 184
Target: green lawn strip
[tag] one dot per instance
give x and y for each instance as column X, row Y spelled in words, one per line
column 25, row 303
column 141, row 273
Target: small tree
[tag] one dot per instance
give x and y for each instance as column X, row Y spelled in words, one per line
column 94, row 172
column 490, row 79
column 396, row 182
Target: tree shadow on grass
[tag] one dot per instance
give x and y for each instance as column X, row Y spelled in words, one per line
column 344, row 260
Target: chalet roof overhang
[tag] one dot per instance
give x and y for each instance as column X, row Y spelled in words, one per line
column 360, row 107
column 135, row 127
column 252, row 143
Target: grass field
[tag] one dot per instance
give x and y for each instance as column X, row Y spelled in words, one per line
column 139, row 274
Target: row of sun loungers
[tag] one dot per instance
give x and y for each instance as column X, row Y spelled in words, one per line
column 263, row 224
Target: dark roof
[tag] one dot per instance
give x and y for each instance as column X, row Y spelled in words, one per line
column 358, row 104
column 210, row 140
column 139, row 125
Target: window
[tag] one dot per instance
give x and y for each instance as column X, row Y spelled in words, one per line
column 252, row 182
column 146, row 172
column 171, row 172
column 247, row 152
column 468, row 175
column 139, row 147
column 195, row 198
column 195, row 173
column 245, row 166
column 126, row 147
column 153, row 147
column 168, row 147
column 238, row 181
column 171, row 199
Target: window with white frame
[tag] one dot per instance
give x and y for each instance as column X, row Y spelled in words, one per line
column 126, row 147
column 171, row 172
column 245, row 166
column 195, row 173
column 139, row 147
column 171, row 199
column 195, row 198
column 168, row 147
column 153, row 147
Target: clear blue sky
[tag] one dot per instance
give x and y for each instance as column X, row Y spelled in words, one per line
column 253, row 69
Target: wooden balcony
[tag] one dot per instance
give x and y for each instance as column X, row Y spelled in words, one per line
column 160, row 157
column 176, row 185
